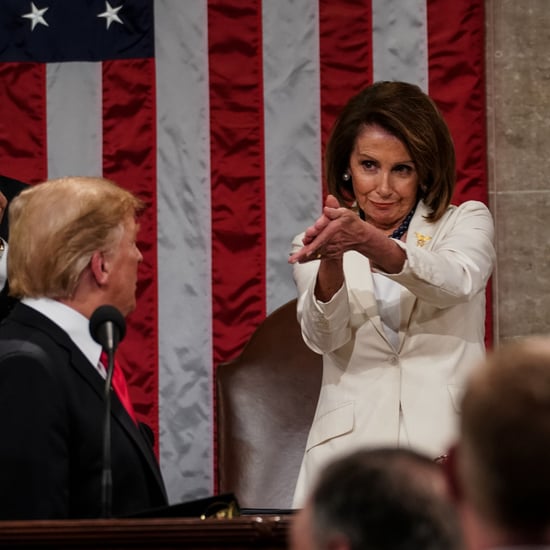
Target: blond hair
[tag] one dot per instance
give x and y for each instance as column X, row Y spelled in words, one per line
column 56, row 226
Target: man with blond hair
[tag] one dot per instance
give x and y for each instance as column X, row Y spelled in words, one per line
column 72, row 249
column 500, row 468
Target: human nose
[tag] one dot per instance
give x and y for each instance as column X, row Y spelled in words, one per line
column 384, row 184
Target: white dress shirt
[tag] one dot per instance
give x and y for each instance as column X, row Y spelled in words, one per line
column 73, row 323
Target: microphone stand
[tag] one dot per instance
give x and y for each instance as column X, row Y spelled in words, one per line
column 107, row 328
column 106, row 475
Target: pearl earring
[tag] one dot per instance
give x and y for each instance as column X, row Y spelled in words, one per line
column 346, row 176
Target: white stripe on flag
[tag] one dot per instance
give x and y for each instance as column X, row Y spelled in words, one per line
column 74, row 119
column 185, row 323
column 400, row 41
column 292, row 142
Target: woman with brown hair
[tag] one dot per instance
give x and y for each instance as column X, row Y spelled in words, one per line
column 391, row 281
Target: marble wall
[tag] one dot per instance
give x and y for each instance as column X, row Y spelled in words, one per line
column 518, row 123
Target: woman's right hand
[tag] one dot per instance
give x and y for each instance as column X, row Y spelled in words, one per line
column 333, row 233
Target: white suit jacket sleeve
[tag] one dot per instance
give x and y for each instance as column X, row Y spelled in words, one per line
column 324, row 325
column 451, row 261
column 448, row 262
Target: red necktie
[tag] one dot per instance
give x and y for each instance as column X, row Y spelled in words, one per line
column 119, row 386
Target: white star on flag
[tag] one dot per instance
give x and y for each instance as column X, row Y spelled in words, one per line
column 36, row 16
column 110, row 14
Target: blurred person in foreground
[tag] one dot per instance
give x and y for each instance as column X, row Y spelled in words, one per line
column 72, row 249
column 378, row 499
column 500, row 467
column 391, row 281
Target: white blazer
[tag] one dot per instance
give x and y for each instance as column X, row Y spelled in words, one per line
column 370, row 389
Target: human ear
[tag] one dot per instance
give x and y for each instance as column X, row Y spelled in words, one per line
column 98, row 267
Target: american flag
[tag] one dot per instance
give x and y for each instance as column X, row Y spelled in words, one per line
column 216, row 113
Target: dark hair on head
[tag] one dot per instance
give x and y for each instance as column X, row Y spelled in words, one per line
column 384, row 499
column 406, row 112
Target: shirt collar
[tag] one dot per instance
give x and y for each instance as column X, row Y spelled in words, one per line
column 71, row 321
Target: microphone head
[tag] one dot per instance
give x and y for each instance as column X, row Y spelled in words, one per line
column 107, row 323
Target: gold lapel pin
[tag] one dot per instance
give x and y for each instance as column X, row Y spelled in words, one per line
column 421, row 240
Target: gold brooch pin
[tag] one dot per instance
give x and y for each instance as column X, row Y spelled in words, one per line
column 421, row 240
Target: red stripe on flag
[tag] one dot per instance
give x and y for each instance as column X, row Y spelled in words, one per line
column 456, row 83
column 345, row 50
column 456, row 64
column 129, row 158
column 237, row 173
column 23, row 130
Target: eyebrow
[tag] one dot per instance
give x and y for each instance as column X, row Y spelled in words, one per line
column 366, row 156
column 371, row 156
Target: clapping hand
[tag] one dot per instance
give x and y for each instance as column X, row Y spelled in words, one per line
column 333, row 233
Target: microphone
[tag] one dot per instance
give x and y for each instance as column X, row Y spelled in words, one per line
column 107, row 327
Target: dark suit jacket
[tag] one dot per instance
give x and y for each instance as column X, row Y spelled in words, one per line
column 52, row 406
column 10, row 188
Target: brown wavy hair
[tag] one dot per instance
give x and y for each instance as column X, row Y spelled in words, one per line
column 406, row 112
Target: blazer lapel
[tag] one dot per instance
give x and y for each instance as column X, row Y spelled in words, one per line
column 421, row 234
column 118, row 413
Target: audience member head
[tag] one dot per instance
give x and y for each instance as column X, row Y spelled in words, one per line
column 378, row 499
column 501, row 463
column 73, row 240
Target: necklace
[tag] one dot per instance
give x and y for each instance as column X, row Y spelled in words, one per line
column 401, row 230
